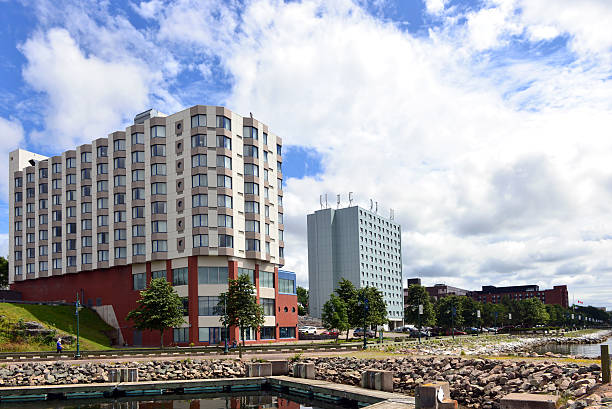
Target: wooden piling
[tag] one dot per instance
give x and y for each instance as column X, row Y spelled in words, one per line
column 605, row 364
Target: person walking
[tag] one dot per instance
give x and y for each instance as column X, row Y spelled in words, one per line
column 59, row 345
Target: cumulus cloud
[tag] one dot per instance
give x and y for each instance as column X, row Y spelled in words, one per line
column 11, row 139
column 495, row 163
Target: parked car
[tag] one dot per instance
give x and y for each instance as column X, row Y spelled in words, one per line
column 414, row 333
column 457, row 332
column 307, row 330
column 358, row 332
column 331, row 333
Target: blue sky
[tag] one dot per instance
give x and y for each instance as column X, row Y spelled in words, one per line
column 483, row 124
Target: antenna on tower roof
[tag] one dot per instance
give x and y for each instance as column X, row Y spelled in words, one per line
column 371, row 204
column 321, row 201
column 337, row 201
column 326, row 206
column 391, row 214
column 376, row 211
column 350, row 198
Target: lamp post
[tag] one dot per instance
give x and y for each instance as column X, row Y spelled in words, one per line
column 453, row 312
column 77, row 307
column 225, row 349
column 479, row 320
column 420, row 313
column 366, row 307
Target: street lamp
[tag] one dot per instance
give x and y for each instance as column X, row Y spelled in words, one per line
column 366, row 308
column 77, row 307
column 420, row 313
column 225, row 349
column 453, row 313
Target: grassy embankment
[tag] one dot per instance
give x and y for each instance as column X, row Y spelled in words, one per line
column 60, row 318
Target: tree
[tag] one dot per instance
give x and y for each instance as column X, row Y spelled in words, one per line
column 377, row 307
column 532, row 312
column 417, row 295
column 159, row 307
column 348, row 294
column 4, row 281
column 468, row 311
column 302, row 296
column 240, row 306
column 444, row 308
column 334, row 315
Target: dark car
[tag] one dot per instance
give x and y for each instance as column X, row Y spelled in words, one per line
column 358, row 332
column 457, row 332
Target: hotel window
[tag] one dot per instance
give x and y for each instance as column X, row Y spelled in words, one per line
column 102, row 168
column 225, row 221
column 57, row 231
column 249, row 132
column 224, row 122
column 30, row 177
column 158, row 208
column 139, row 281
column 71, row 211
column 279, row 150
column 266, row 279
column 252, row 225
column 181, row 335
column 212, row 275
column 138, row 249
column 158, row 131
column 200, row 240
column 199, row 200
column 138, row 212
column 119, row 145
column 224, row 162
column 71, row 244
column 250, row 151
column 200, row 220
column 267, row 247
column 158, row 150
column 120, row 252
column 119, row 163
column 159, row 246
column 198, row 120
column 158, row 169
column 199, row 180
column 251, row 169
column 86, row 241
column 85, row 157
column 279, row 184
column 86, row 258
column 180, row 276
column 120, row 216
column 265, row 154
column 265, row 138
column 18, row 196
column 198, row 140
column 102, row 220
column 280, row 235
column 18, row 211
column 252, row 245
column 280, row 200
column 268, row 306
column 71, row 261
column 138, row 138
column 138, row 175
column 251, row 188
column 43, row 250
column 224, row 142
column 251, row 207
column 57, row 263
column 159, row 226
column 42, row 204
column 71, row 195
column 281, row 252
column 119, row 180
column 224, row 181
column 102, row 151
column 138, row 157
column 70, row 163
column 71, row 228
column 30, row 268
column 18, row 270
column 18, row 241
column 102, row 185
column 43, row 188
column 158, row 188
column 138, row 193
column 138, row 230
column 226, row 241
column 280, row 218
column 30, row 253
column 56, row 168
column 286, row 286
column 120, row 234
column 266, row 175
column 209, row 306
column 102, row 238
column 119, row 198
column 102, row 203
column 158, row 274
column 30, row 192
column 70, row 179
column 198, row 160
column 18, row 182
column 43, row 265
column 102, row 255
column 224, row 201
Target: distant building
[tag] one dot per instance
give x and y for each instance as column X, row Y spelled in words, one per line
column 359, row 245
column 437, row 291
column 557, row 295
column 413, row 281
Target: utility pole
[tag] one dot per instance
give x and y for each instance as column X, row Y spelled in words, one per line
column 225, row 350
column 420, row 313
column 366, row 307
column 78, row 306
column 453, row 312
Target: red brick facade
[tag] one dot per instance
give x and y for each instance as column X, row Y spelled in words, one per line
column 114, row 286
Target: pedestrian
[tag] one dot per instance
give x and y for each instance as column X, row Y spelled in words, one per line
column 59, row 345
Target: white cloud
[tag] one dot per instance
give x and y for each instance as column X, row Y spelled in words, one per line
column 11, row 138
column 88, row 97
column 435, row 6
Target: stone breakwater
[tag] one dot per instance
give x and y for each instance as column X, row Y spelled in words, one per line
column 475, row 383
column 60, row 373
column 504, row 345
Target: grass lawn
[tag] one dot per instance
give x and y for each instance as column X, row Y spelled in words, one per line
column 61, row 318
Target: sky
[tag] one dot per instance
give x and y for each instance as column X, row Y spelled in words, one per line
column 484, row 124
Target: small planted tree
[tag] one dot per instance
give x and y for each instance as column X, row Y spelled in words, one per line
column 240, row 307
column 159, row 308
column 335, row 315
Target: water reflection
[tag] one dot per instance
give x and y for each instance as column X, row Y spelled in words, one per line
column 244, row 400
column 588, row 350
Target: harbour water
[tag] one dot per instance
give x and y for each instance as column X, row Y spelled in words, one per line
column 588, row 350
column 245, row 400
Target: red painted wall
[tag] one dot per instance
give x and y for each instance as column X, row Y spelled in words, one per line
column 114, row 286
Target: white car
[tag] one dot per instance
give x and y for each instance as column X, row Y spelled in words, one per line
column 308, row 330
